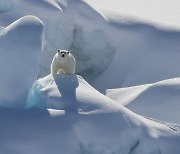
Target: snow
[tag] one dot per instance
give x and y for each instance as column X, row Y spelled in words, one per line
column 155, row 12
column 1, row 29
column 96, row 35
column 87, row 110
column 128, row 49
column 6, row 5
column 20, row 53
column 66, row 91
column 154, row 100
column 57, row 33
column 36, row 131
column 152, row 55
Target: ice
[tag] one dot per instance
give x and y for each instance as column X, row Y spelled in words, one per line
column 6, row 5
column 20, row 53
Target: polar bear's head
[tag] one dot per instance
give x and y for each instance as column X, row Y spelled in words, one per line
column 63, row 53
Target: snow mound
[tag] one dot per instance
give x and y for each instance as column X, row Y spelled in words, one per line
column 64, row 114
column 67, row 92
column 36, row 131
column 159, row 100
column 91, row 122
column 6, row 5
column 20, row 53
column 58, row 31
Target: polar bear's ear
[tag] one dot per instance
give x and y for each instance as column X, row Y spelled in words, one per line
column 58, row 50
column 68, row 52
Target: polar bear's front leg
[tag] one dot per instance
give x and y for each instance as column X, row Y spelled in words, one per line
column 54, row 68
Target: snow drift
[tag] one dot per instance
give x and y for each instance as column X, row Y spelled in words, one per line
column 64, row 114
column 103, row 41
column 145, row 55
column 96, row 124
column 20, row 51
column 158, row 100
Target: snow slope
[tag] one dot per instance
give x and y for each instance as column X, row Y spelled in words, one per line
column 114, row 47
column 20, row 51
column 38, row 131
column 155, row 12
column 56, row 32
column 1, row 29
column 145, row 55
column 99, row 37
column 157, row 100
column 6, row 5
column 90, row 122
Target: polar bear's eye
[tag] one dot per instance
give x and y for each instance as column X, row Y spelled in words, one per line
column 62, row 52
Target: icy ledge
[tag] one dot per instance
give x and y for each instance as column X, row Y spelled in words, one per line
column 93, row 123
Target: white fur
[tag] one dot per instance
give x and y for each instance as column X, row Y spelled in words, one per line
column 64, row 65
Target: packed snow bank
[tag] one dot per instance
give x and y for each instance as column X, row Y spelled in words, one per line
column 93, row 123
column 6, row 5
column 159, row 100
column 20, row 51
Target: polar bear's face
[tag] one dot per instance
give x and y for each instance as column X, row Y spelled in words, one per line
column 63, row 53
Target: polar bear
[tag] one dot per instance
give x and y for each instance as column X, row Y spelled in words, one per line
column 63, row 62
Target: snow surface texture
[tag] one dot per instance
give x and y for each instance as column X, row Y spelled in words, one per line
column 94, row 34
column 1, row 29
column 87, row 110
column 106, row 41
column 155, row 12
column 151, row 56
column 112, row 51
column 20, row 51
column 155, row 100
column 6, row 5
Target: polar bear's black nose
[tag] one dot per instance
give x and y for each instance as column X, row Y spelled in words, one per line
column 63, row 55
